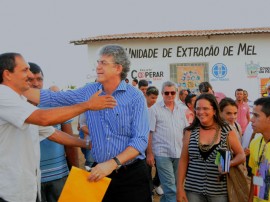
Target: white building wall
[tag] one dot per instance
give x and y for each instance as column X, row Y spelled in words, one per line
column 256, row 55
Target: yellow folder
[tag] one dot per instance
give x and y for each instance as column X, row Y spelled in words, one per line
column 78, row 188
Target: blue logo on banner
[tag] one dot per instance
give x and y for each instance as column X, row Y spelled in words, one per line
column 219, row 70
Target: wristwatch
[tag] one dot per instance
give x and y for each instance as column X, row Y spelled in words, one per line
column 118, row 163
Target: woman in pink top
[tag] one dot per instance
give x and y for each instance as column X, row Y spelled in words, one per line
column 243, row 116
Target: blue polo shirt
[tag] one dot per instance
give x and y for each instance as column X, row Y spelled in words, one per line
column 53, row 163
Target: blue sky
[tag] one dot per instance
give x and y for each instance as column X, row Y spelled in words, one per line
column 41, row 30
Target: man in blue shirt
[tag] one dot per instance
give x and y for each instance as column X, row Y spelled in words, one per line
column 119, row 135
column 53, row 156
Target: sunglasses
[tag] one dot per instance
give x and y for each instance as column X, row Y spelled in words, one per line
column 169, row 92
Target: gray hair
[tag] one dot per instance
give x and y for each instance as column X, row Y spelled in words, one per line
column 119, row 55
column 169, row 84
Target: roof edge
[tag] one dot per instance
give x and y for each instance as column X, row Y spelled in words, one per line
column 171, row 34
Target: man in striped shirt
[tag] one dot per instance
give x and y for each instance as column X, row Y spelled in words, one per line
column 119, row 136
column 167, row 121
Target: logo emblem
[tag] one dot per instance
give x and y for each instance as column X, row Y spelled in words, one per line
column 252, row 69
column 219, row 70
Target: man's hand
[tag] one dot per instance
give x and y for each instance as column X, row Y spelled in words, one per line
column 97, row 102
column 150, row 159
column 181, row 195
column 102, row 170
column 247, row 151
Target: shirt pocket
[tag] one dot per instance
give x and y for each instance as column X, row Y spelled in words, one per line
column 123, row 124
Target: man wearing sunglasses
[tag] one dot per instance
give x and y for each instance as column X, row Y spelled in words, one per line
column 167, row 121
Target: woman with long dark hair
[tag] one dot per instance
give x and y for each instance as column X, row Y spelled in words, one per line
column 198, row 175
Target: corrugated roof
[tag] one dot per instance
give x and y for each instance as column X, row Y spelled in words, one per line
column 154, row 35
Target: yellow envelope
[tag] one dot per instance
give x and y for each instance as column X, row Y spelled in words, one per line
column 78, row 188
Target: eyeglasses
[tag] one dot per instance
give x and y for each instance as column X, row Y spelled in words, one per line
column 104, row 62
column 169, row 92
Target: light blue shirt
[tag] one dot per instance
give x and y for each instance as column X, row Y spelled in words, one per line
column 53, row 163
column 167, row 128
column 112, row 130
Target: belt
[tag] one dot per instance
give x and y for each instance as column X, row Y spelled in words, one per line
column 133, row 163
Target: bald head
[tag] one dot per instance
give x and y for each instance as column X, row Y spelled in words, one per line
column 54, row 88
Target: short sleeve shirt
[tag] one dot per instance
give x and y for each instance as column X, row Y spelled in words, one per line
column 167, row 128
column 259, row 161
column 19, row 148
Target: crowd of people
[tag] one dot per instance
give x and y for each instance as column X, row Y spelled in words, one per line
column 125, row 133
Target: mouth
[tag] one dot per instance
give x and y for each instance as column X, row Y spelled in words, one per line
column 200, row 117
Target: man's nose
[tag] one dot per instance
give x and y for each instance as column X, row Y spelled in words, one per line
column 30, row 74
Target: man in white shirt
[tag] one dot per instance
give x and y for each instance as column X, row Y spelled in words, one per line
column 167, row 121
column 182, row 96
column 20, row 133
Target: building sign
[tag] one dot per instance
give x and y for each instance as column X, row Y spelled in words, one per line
column 189, row 75
column 181, row 51
column 219, row 71
column 263, row 89
column 252, row 69
column 147, row 74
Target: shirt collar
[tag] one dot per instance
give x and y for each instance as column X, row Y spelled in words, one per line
column 121, row 87
column 162, row 104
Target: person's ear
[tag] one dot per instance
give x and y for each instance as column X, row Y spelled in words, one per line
column 6, row 75
column 119, row 68
column 268, row 120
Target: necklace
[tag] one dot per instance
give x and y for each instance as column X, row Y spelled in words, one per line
column 260, row 156
column 207, row 147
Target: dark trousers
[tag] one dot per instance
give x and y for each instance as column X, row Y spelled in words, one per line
column 51, row 191
column 130, row 183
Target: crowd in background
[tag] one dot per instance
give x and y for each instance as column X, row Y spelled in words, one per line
column 231, row 118
column 125, row 132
